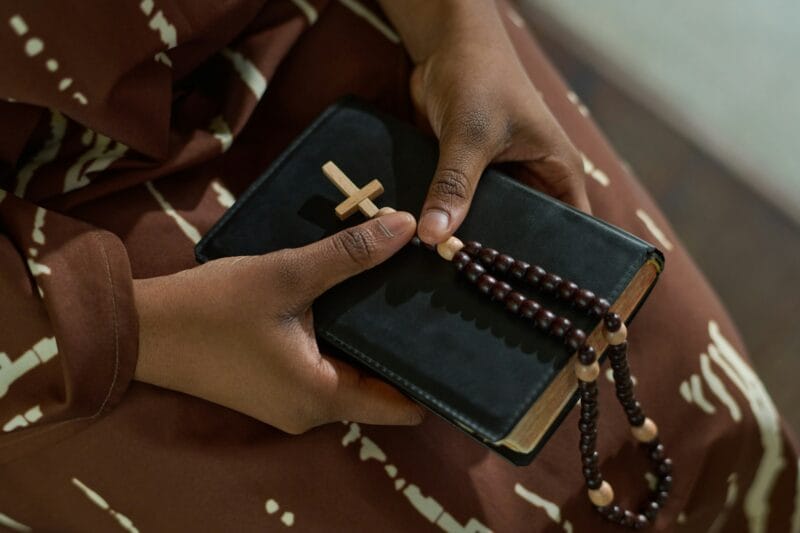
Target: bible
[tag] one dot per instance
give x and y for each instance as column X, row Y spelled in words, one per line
column 412, row 320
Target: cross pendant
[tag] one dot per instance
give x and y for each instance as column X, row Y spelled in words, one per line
column 357, row 199
column 361, row 200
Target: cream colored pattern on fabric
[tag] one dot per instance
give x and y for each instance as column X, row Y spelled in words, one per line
column 248, row 72
column 595, row 173
column 23, row 420
column 610, row 376
column 308, row 10
column 582, row 109
column 224, row 196
column 359, row 9
column 426, row 506
column 718, row 388
column 40, row 353
column 46, row 154
column 796, row 512
column 655, row 230
column 98, row 158
column 34, row 46
column 272, row 507
column 730, row 500
column 98, row 500
column 166, row 30
column 12, row 524
column 756, row 501
column 188, row 230
column 692, row 392
column 552, row 510
column 222, row 132
column 2, row 195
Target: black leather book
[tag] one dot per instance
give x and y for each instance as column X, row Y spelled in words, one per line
column 413, row 320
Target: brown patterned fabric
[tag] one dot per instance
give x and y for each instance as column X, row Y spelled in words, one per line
column 128, row 130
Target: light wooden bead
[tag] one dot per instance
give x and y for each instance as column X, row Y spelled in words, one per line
column 385, row 211
column 646, row 432
column 616, row 337
column 587, row 372
column 449, row 248
column 603, row 496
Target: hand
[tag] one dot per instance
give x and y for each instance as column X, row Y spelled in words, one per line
column 239, row 332
column 480, row 103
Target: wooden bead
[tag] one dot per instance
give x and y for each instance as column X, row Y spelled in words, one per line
column 473, row 271
column 529, row 308
column 500, row 290
column 587, row 372
column 514, row 300
column 386, row 211
column 488, row 255
column 567, row 290
column 616, row 337
column 575, row 338
column 460, row 260
column 544, row 318
column 647, row 432
column 518, row 269
column 584, row 299
column 472, row 247
column 587, row 355
column 603, row 496
column 503, row 262
column 550, row 282
column 449, row 248
column 560, row 326
column 486, row 283
column 534, row 275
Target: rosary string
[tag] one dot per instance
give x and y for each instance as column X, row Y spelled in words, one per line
column 476, row 262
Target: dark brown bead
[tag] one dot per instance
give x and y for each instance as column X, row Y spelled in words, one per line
column 567, row 290
column 518, row 269
column 628, row 517
column 560, row 326
column 600, row 307
column 529, row 308
column 486, row 283
column 587, row 355
column 503, row 262
column 487, row 255
column 501, row 290
column 534, row 275
column 586, row 427
column 665, row 467
column 640, row 522
column 586, row 448
column 415, row 241
column 472, row 248
column 473, row 271
column 591, row 459
column 583, row 299
column 550, row 282
column 665, row 483
column 544, row 318
column 614, row 513
column 651, row 510
column 514, row 300
column 460, row 260
column 575, row 338
column 661, row 497
column 594, row 482
column 613, row 321
column 657, row 452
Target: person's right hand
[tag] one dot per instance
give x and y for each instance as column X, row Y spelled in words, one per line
column 238, row 332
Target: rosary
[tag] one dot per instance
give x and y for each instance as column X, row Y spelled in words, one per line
column 486, row 268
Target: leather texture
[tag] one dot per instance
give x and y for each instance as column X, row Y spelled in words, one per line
column 413, row 320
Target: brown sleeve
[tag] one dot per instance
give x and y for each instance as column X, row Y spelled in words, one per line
column 68, row 326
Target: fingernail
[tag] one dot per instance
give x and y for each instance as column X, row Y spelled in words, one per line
column 396, row 223
column 434, row 224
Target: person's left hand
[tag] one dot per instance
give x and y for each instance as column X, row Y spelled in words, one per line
column 482, row 106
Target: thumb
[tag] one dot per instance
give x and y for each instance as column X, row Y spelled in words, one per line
column 330, row 261
column 462, row 159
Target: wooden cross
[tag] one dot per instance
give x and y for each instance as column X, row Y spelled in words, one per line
column 357, row 199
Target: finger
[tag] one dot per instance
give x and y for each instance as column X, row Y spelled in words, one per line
column 325, row 263
column 562, row 177
column 463, row 156
column 354, row 396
